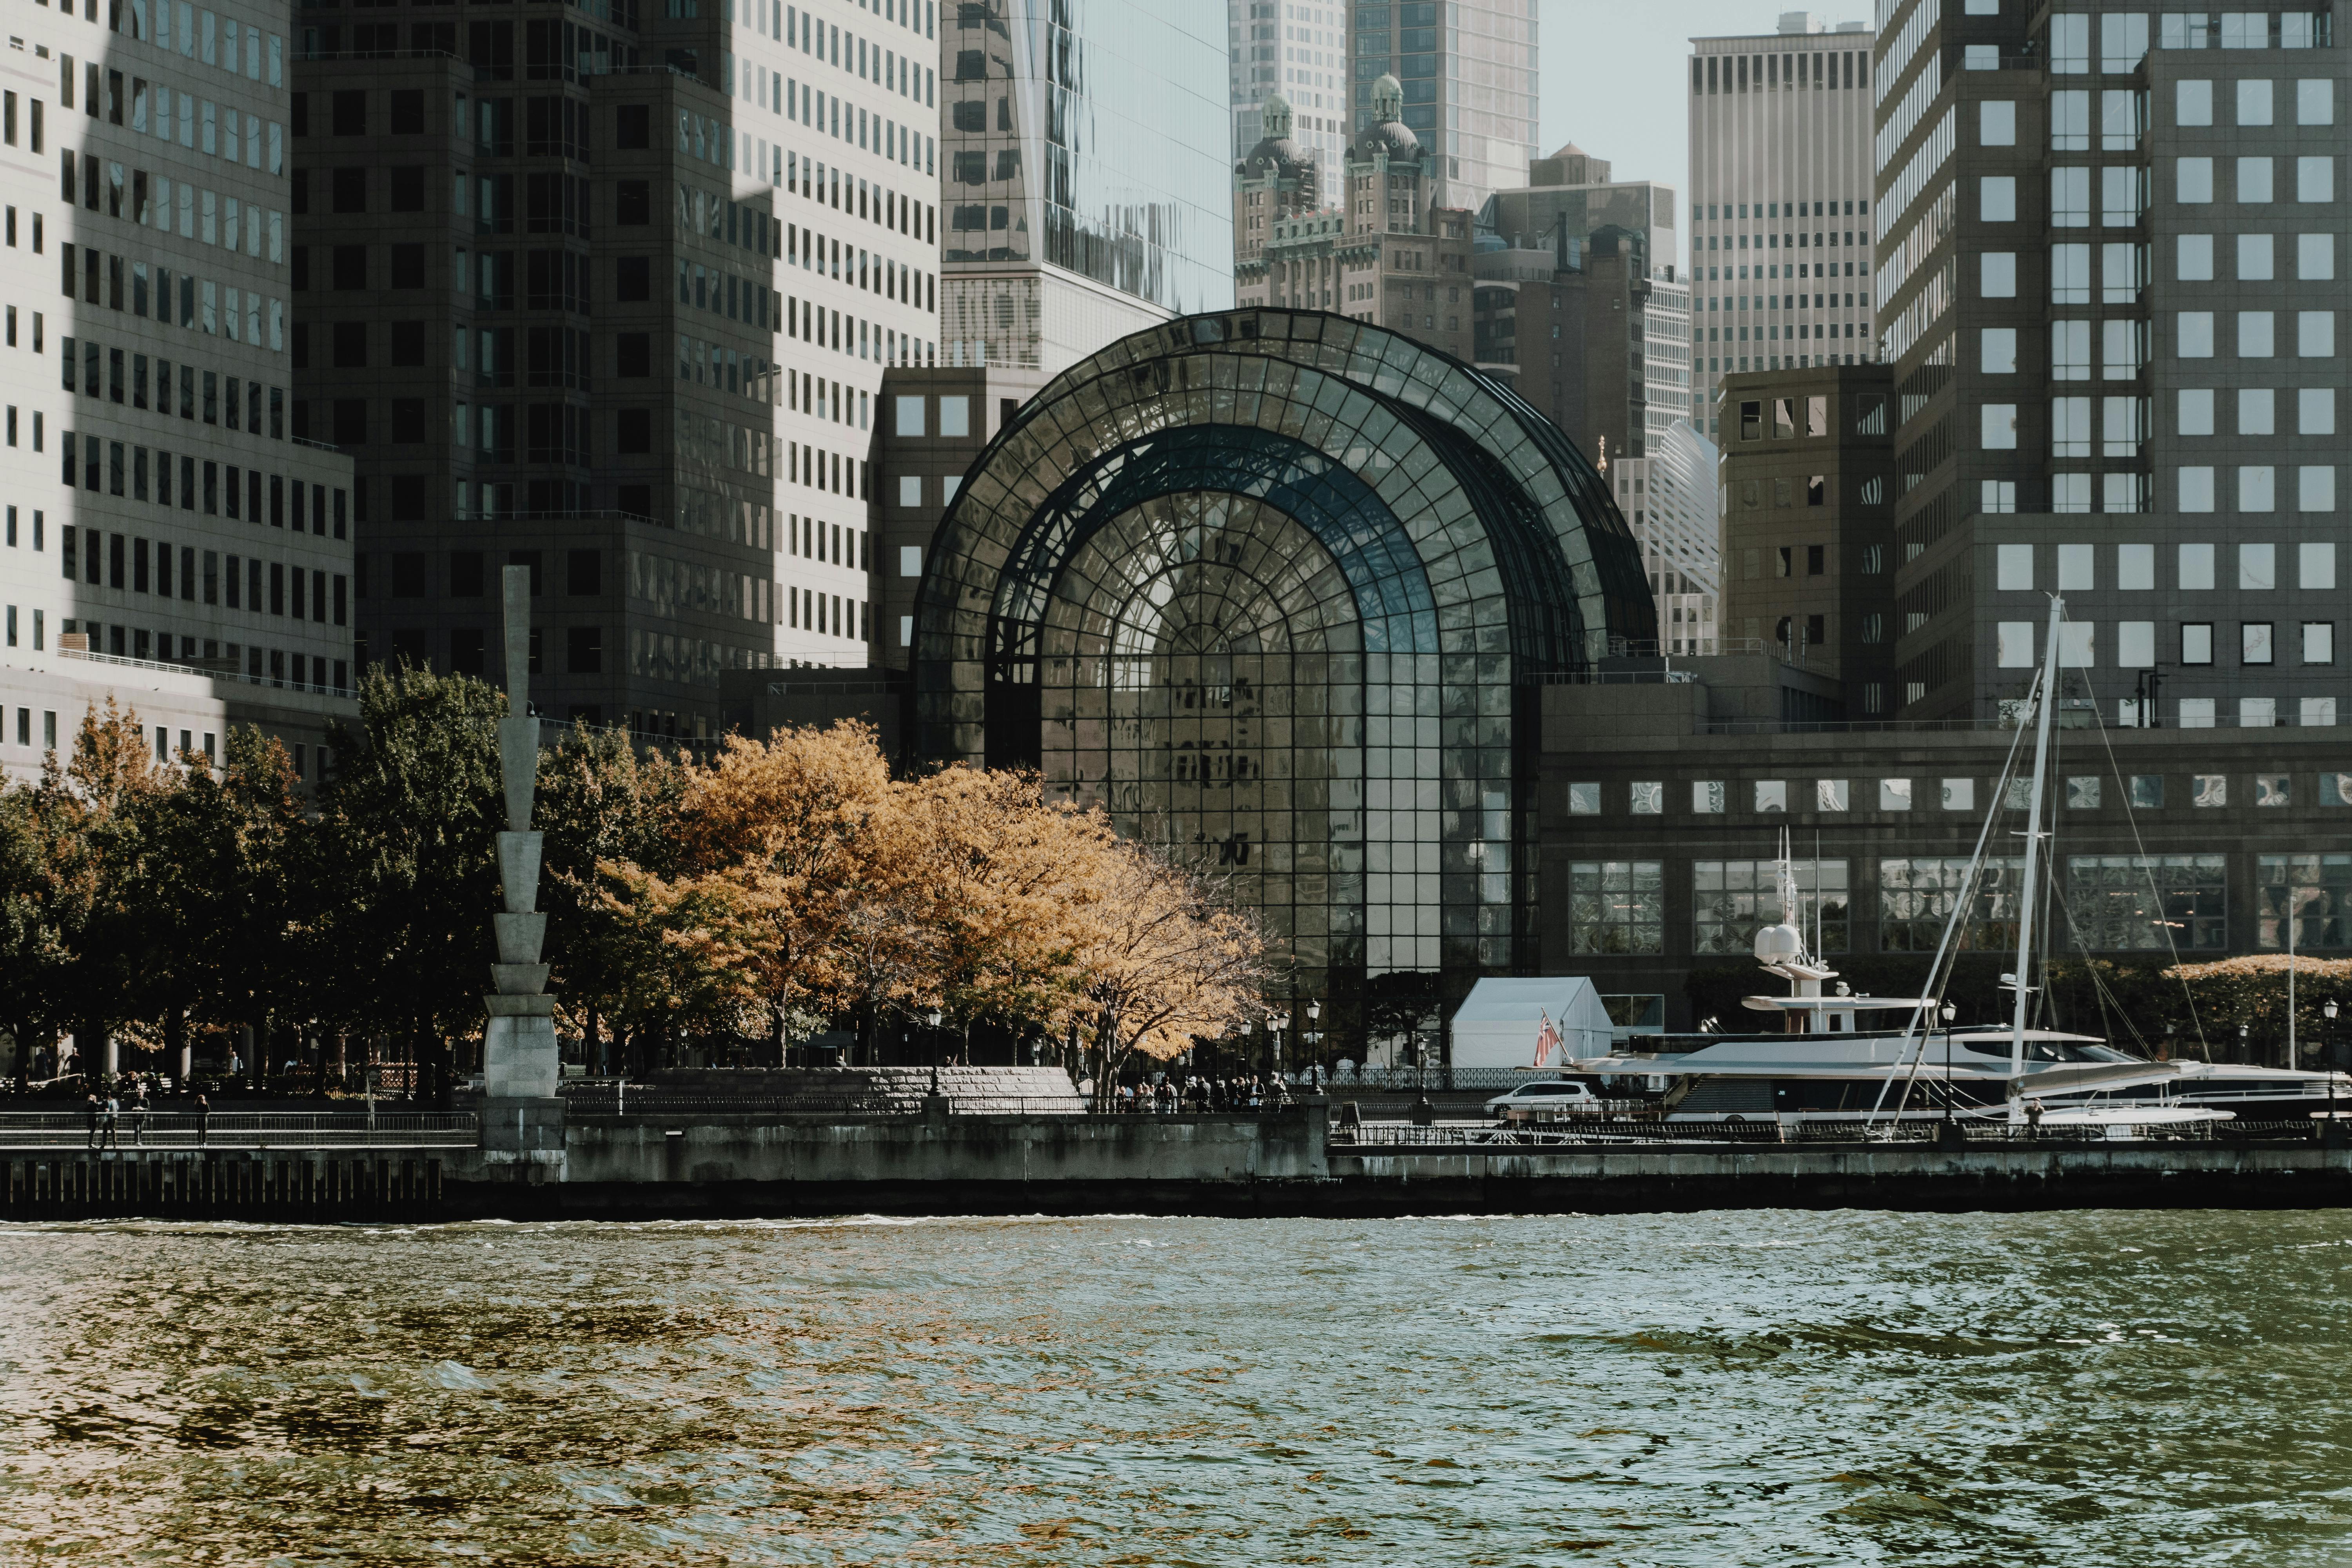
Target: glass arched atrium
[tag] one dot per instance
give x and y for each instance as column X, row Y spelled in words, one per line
column 1279, row 589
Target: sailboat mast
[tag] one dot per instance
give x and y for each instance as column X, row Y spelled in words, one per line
column 2033, row 859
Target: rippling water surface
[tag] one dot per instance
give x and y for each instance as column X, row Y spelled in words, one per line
column 1710, row 1389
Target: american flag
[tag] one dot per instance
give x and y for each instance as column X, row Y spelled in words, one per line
column 1547, row 1039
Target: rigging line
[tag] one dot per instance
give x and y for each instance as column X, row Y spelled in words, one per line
column 2098, row 985
column 2143, row 859
column 1932, row 993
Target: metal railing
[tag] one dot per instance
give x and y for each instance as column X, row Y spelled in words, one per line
column 236, row 1130
column 607, row 1100
column 200, row 669
column 1916, row 1134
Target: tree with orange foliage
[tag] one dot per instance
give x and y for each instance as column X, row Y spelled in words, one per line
column 773, row 843
column 1162, row 959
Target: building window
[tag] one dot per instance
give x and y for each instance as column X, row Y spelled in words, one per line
column 2320, row 888
column 1732, row 899
column 1616, row 907
column 1584, row 799
column 2141, row 903
column 1648, row 798
column 1916, row 897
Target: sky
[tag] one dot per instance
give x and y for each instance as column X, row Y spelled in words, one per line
column 1612, row 74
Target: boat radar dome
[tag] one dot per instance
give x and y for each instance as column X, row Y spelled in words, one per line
column 1778, row 944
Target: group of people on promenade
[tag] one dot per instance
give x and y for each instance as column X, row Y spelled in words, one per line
column 129, row 1103
column 1166, row 1096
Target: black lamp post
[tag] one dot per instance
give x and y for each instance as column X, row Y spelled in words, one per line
column 935, row 1019
column 2327, row 1065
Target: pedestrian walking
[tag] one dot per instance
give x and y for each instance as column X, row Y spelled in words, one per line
column 204, row 1120
column 91, row 1108
column 138, row 1113
column 111, row 1128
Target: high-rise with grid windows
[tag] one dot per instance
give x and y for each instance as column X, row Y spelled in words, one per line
column 168, row 542
column 1780, row 204
column 2109, row 284
column 609, row 294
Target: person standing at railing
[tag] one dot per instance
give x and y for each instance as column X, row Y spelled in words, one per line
column 110, row 1129
column 91, row 1108
column 139, row 1113
column 205, row 1119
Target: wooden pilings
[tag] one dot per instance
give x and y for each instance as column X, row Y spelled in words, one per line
column 227, row 1184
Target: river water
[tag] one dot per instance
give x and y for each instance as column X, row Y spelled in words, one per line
column 1771, row 1387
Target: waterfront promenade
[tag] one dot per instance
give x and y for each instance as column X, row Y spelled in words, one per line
column 635, row 1152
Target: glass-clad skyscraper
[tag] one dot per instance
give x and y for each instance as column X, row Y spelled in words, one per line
column 1084, row 175
column 1279, row 589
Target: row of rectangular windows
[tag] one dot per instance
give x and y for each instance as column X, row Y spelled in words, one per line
column 2086, row 792
column 113, row 468
column 2111, row 903
column 125, row 564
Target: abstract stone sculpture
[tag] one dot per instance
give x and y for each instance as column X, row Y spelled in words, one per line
column 521, row 1063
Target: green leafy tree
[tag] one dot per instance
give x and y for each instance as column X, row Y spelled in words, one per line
column 406, row 864
column 599, row 801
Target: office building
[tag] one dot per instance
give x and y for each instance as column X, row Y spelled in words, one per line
column 548, row 276
column 1468, row 70
column 1562, row 321
column 1568, row 203
column 2111, row 284
column 1781, row 193
column 1387, row 253
column 1807, row 539
column 1299, row 53
column 1296, row 626
column 1583, row 308
column 167, row 542
column 1664, row 805
column 1086, row 177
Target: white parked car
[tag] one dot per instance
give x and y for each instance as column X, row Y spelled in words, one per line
column 1549, row 1099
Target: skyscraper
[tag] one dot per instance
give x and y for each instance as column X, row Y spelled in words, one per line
column 166, row 540
column 1780, row 203
column 1469, row 79
column 2110, row 289
column 1299, row 52
column 542, row 269
column 1085, row 181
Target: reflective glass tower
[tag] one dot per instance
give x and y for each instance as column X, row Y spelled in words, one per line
column 1084, row 175
column 1279, row 589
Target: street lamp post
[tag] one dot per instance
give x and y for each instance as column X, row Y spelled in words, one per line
column 2327, row 1065
column 2245, row 1041
column 935, row 1020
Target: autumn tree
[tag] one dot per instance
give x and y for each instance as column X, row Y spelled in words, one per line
column 1162, row 959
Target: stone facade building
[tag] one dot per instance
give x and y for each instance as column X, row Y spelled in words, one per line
column 1808, row 537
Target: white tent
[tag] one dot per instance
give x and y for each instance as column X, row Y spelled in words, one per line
column 1498, row 1023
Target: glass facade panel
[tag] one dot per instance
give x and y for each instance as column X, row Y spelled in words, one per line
column 1733, row 899
column 1087, row 135
column 2145, row 903
column 1267, row 587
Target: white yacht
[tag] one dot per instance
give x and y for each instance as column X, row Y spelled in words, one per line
column 1837, row 1057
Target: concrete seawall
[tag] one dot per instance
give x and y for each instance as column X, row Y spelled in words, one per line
column 1282, row 1163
